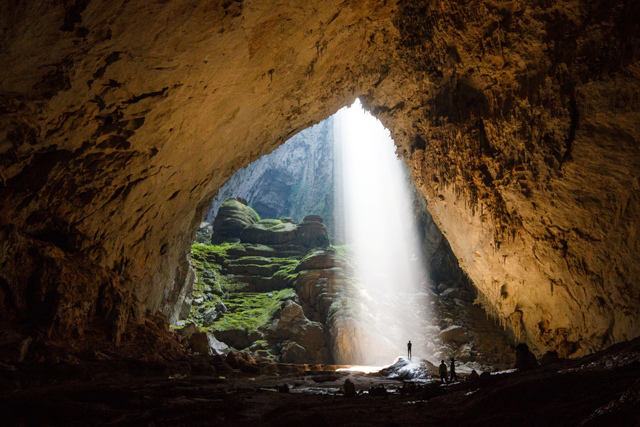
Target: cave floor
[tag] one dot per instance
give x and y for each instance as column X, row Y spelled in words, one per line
column 597, row 390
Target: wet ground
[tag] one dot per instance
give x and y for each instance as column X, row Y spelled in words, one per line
column 598, row 390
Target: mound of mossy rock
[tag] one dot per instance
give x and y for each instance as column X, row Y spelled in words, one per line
column 245, row 294
column 238, row 222
column 233, row 216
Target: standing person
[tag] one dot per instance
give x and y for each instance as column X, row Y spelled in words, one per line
column 409, row 349
column 454, row 376
column 443, row 372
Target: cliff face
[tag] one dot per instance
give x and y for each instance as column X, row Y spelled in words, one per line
column 293, row 181
column 120, row 121
column 530, row 169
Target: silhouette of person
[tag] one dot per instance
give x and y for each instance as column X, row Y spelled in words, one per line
column 409, row 349
column 443, row 372
column 454, row 376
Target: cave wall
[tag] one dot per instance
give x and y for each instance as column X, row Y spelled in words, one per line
column 293, row 181
column 525, row 142
column 519, row 121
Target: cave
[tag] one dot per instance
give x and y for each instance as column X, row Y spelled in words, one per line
column 518, row 123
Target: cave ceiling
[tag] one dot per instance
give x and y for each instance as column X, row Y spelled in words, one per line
column 519, row 121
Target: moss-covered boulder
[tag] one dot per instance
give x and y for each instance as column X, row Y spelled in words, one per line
column 312, row 233
column 321, row 259
column 233, row 216
column 269, row 232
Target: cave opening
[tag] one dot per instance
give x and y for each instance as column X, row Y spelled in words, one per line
column 518, row 122
column 324, row 252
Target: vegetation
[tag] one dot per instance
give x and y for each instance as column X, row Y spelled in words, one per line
column 251, row 311
column 245, row 309
column 342, row 250
column 208, row 260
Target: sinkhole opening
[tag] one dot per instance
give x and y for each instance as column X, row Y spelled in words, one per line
column 323, row 252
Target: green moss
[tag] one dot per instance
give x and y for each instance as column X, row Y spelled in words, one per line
column 251, row 311
column 231, row 287
column 245, row 310
column 342, row 250
column 207, row 260
column 233, row 204
column 274, row 225
column 210, row 252
column 286, row 273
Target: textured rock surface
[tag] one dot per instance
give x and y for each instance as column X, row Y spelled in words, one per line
column 292, row 181
column 519, row 121
column 305, row 341
column 234, row 216
column 306, row 235
column 244, row 295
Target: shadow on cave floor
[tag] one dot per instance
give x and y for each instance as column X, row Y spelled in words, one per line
column 602, row 389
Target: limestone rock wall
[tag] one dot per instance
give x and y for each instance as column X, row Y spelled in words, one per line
column 293, row 181
column 120, row 120
column 522, row 132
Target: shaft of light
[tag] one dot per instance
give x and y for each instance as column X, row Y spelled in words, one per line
column 380, row 225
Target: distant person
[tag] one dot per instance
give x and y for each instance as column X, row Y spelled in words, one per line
column 454, row 376
column 443, row 372
column 409, row 349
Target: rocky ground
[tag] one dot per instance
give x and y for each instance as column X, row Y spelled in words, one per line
column 602, row 389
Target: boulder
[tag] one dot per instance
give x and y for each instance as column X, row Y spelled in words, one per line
column 319, row 260
column 209, row 317
column 291, row 315
column 313, row 218
column 293, row 353
column 233, row 217
column 549, row 357
column 217, row 347
column 349, row 388
column 403, row 369
column 269, row 232
column 294, row 327
column 312, row 234
column 187, row 330
column 454, row 333
column 199, row 343
column 236, row 338
column 525, row 359
column 233, row 360
column 206, row 344
column 284, row 388
column 220, row 307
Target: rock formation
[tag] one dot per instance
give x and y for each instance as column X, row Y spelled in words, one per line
column 292, row 181
column 120, row 121
column 245, row 296
column 234, row 216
